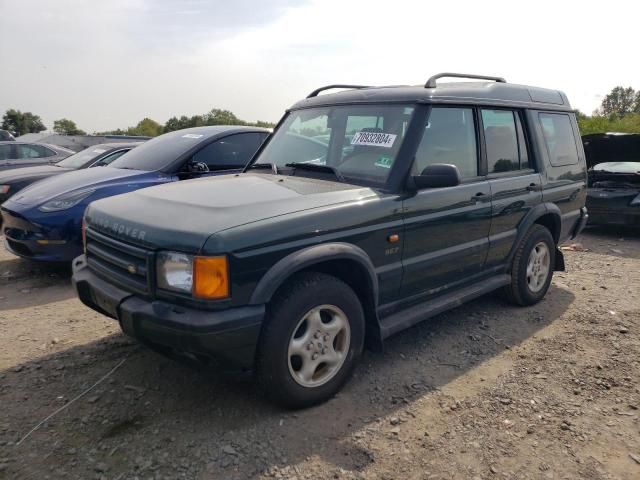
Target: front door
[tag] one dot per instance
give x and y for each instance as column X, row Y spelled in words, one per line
column 446, row 229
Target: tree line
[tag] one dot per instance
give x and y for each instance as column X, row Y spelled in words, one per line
column 618, row 112
column 20, row 123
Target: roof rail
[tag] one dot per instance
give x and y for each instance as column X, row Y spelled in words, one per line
column 329, row 87
column 431, row 83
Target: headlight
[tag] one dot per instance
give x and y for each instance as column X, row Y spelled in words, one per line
column 64, row 202
column 202, row 277
column 636, row 201
column 4, row 189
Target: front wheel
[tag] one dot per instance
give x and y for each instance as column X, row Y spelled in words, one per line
column 311, row 342
column 532, row 267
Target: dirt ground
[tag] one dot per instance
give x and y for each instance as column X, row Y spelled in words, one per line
column 486, row 391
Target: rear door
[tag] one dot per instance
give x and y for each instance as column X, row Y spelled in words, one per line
column 515, row 184
column 446, row 229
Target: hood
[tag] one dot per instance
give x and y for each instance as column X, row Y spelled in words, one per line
column 30, row 173
column 183, row 215
column 618, row 167
column 77, row 180
column 611, row 148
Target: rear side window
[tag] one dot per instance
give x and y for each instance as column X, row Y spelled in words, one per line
column 44, row 151
column 449, row 137
column 504, row 140
column 5, row 152
column 29, row 151
column 558, row 136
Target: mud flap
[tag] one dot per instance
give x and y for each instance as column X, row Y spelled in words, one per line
column 559, row 266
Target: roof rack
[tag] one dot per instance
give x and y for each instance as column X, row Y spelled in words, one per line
column 431, row 83
column 329, row 87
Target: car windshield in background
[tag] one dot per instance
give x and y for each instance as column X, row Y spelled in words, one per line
column 82, row 158
column 358, row 143
column 158, row 153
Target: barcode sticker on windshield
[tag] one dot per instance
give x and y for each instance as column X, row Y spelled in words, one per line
column 192, row 135
column 374, row 139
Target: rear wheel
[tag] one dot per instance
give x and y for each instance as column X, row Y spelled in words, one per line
column 311, row 342
column 532, row 267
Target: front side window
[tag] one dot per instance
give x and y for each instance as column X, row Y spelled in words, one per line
column 558, row 135
column 231, row 152
column 83, row 157
column 359, row 142
column 109, row 158
column 449, row 137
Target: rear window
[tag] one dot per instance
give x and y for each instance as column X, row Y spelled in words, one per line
column 558, row 136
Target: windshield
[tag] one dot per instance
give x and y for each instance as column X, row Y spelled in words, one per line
column 359, row 143
column 83, row 157
column 158, row 153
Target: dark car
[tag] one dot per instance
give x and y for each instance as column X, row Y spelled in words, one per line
column 613, row 160
column 12, row 181
column 43, row 221
column 447, row 192
column 16, row 154
column 6, row 136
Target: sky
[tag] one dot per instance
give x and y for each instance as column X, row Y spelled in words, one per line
column 108, row 64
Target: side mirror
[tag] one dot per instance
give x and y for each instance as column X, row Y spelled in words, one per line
column 438, row 175
column 197, row 167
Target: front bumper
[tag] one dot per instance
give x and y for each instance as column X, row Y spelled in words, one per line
column 229, row 335
column 613, row 207
column 41, row 241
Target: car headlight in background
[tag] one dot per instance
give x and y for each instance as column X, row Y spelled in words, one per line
column 636, row 201
column 4, row 189
column 64, row 202
column 202, row 277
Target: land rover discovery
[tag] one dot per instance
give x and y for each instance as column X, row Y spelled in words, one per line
column 367, row 211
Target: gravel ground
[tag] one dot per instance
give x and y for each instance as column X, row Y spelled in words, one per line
column 486, row 391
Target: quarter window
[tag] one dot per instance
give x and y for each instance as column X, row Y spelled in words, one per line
column 449, row 137
column 504, row 139
column 558, row 136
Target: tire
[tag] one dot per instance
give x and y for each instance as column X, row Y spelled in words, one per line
column 289, row 360
column 528, row 286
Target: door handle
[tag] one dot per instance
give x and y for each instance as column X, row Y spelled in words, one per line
column 478, row 197
column 533, row 187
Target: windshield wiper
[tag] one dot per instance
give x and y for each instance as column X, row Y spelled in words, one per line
column 316, row 168
column 272, row 166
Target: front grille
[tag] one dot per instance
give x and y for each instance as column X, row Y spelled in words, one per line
column 119, row 262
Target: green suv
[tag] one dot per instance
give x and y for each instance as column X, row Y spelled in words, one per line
column 367, row 211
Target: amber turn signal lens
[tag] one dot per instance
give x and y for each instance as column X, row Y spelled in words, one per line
column 210, row 277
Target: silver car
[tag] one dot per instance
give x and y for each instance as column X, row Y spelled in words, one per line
column 16, row 154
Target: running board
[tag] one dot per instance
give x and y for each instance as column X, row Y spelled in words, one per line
column 406, row 318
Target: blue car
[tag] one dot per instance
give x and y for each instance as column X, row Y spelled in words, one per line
column 44, row 221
